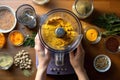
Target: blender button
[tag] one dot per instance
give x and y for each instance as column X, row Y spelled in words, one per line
column 65, row 69
column 58, row 69
column 54, row 69
column 51, row 69
column 61, row 69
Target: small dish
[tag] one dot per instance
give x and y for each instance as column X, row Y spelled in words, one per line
column 8, row 19
column 6, row 61
column 2, row 40
column 102, row 63
column 16, row 38
column 92, row 35
column 112, row 44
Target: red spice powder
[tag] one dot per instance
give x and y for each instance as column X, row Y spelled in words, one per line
column 112, row 44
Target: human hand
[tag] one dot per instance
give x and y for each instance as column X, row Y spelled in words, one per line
column 77, row 58
column 77, row 61
column 43, row 59
column 42, row 53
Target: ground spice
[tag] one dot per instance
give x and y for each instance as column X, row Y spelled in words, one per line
column 112, row 44
column 16, row 38
column 92, row 34
column 6, row 19
column 2, row 40
column 101, row 63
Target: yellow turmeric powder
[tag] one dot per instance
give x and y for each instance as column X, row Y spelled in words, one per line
column 2, row 40
column 92, row 34
column 50, row 38
column 16, row 38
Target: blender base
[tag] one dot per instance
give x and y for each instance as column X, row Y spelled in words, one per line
column 52, row 69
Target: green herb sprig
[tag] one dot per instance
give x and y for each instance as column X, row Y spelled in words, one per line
column 29, row 40
column 110, row 22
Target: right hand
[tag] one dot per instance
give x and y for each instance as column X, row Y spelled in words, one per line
column 77, row 58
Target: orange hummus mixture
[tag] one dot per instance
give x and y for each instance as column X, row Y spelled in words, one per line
column 49, row 36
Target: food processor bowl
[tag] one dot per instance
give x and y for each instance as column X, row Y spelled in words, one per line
column 60, row 33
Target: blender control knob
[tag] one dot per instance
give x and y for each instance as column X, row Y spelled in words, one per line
column 60, row 32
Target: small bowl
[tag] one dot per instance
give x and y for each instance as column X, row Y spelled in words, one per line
column 2, row 40
column 102, row 63
column 83, row 8
column 98, row 35
column 6, row 61
column 13, row 38
column 112, row 44
column 4, row 7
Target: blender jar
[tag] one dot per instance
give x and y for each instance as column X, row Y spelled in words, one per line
column 60, row 33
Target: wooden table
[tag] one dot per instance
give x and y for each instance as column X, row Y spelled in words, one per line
column 91, row 50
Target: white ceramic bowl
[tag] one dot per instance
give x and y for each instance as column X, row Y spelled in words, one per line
column 106, row 68
column 15, row 21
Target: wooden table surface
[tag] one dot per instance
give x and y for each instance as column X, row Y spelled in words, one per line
column 100, row 6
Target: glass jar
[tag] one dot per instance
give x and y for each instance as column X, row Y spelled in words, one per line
column 82, row 8
column 26, row 15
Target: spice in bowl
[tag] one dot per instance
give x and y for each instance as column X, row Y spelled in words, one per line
column 92, row 35
column 7, row 19
column 2, row 40
column 16, row 38
column 102, row 63
column 83, row 8
column 112, row 44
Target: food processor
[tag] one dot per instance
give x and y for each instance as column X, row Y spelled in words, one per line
column 59, row 63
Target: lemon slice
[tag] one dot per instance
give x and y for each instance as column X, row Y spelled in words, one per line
column 41, row 2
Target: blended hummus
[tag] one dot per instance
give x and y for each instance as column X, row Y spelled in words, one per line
column 50, row 38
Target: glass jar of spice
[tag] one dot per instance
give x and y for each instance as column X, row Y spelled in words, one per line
column 83, row 8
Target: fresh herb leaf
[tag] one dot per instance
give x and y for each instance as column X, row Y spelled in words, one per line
column 29, row 41
column 27, row 73
column 110, row 22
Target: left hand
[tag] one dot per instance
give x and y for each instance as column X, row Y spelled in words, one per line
column 42, row 53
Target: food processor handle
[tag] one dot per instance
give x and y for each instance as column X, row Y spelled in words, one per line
column 59, row 59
